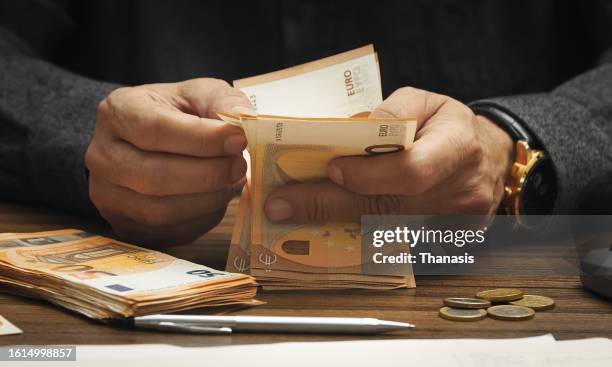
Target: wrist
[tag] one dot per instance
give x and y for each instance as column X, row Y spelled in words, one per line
column 497, row 143
column 530, row 186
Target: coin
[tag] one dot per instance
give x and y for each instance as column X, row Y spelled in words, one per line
column 501, row 294
column 462, row 314
column 459, row 302
column 510, row 312
column 537, row 303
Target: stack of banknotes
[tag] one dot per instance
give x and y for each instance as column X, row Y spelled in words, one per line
column 104, row 279
column 306, row 116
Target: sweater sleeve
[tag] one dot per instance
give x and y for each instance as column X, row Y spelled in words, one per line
column 573, row 123
column 47, row 114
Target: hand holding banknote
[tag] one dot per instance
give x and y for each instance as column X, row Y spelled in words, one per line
column 308, row 115
column 457, row 165
column 161, row 166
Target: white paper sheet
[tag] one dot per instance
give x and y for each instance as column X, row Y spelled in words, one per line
column 540, row 351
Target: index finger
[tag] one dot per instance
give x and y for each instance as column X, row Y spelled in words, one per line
column 156, row 127
column 409, row 172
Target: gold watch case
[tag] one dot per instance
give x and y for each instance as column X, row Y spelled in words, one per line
column 525, row 159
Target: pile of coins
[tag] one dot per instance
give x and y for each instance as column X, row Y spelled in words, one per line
column 501, row 304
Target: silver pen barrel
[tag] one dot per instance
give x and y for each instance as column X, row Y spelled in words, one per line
column 278, row 324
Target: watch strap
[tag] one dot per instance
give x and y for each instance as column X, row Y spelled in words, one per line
column 505, row 119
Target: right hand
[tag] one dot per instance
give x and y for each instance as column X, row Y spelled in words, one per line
column 162, row 167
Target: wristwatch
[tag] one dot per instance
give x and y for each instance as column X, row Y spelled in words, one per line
column 530, row 191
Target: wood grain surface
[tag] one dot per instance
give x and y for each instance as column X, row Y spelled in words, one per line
column 578, row 313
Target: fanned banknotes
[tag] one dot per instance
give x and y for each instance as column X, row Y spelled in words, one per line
column 306, row 116
column 104, row 279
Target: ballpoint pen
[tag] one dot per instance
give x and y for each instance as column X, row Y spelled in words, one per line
column 263, row 324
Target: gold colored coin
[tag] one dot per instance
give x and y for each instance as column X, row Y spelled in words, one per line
column 461, row 302
column 510, row 312
column 501, row 294
column 536, row 303
column 462, row 314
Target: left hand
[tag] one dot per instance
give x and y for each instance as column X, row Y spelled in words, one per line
column 457, row 165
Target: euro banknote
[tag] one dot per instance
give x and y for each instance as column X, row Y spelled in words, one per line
column 324, row 105
column 103, row 278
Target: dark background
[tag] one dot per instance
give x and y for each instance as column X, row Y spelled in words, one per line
column 468, row 49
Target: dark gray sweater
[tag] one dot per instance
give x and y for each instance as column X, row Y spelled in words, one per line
column 548, row 61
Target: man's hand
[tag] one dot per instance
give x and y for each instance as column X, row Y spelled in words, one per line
column 162, row 168
column 457, row 165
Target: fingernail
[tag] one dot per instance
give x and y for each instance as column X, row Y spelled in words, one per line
column 239, row 109
column 239, row 168
column 278, row 209
column 235, row 144
column 335, row 174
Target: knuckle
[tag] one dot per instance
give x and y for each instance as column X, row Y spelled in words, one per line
column 116, row 168
column 211, row 84
column 224, row 176
column 99, row 198
column 95, row 194
column 150, row 178
column 467, row 146
column 103, row 162
column 147, row 128
column 122, row 111
column 103, row 107
column 117, row 97
column 202, row 146
column 230, row 92
column 417, row 174
column 404, row 91
column 318, row 209
column 215, row 82
column 362, row 185
column 214, row 178
column 461, row 110
column 91, row 157
column 380, row 204
column 389, row 110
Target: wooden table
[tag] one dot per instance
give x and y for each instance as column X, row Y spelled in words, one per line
column 578, row 313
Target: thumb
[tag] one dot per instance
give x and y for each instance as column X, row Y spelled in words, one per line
column 208, row 96
column 410, row 102
column 312, row 203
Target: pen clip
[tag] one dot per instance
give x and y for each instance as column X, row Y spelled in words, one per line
column 194, row 329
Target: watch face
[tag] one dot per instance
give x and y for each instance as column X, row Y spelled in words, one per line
column 539, row 190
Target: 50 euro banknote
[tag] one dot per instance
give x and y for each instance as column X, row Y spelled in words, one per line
column 104, row 278
column 306, row 116
column 298, row 150
column 342, row 85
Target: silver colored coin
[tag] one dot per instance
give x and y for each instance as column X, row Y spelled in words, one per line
column 462, row 314
column 463, row 302
column 510, row 312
